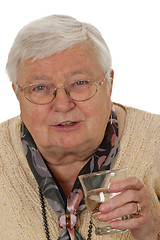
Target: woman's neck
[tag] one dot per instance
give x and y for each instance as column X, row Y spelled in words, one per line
column 66, row 167
column 67, row 174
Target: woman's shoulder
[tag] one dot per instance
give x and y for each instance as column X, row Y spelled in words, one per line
column 12, row 122
column 138, row 121
column 141, row 126
column 137, row 112
column 140, row 141
column 142, row 119
column 134, row 113
column 9, row 129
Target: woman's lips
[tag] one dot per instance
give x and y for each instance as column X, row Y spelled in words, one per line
column 68, row 125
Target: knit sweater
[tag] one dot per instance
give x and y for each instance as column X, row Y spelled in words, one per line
column 20, row 209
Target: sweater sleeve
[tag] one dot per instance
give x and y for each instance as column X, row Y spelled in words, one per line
column 152, row 175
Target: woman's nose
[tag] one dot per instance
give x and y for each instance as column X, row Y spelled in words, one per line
column 62, row 102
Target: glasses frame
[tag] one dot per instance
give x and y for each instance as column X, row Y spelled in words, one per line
column 97, row 84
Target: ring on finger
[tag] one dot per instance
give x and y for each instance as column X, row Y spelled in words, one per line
column 139, row 209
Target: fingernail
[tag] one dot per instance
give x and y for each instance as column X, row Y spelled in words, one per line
column 102, row 217
column 103, row 208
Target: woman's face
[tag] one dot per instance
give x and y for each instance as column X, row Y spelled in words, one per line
column 48, row 124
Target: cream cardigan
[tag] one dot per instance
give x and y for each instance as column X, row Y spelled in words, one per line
column 20, row 210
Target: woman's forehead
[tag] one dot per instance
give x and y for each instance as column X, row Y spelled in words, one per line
column 63, row 65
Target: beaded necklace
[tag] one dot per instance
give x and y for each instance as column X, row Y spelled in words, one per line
column 45, row 222
column 44, row 215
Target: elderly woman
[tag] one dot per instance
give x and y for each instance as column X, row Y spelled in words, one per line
column 61, row 73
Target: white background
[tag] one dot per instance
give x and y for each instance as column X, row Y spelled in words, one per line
column 131, row 29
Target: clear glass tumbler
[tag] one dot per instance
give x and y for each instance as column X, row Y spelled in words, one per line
column 96, row 190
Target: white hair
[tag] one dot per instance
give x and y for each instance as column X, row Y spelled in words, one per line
column 53, row 34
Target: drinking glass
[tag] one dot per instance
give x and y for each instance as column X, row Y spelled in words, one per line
column 96, row 190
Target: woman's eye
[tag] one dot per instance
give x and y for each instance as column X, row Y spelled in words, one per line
column 39, row 88
column 80, row 85
column 81, row 82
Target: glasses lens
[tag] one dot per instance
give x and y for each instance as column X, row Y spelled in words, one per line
column 82, row 90
column 43, row 93
column 39, row 93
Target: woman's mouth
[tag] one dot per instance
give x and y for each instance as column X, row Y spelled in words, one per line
column 67, row 124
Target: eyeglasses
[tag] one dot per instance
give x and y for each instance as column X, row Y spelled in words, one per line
column 44, row 92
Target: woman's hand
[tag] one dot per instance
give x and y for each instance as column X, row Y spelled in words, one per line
column 146, row 224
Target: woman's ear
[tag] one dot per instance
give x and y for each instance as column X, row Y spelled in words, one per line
column 112, row 74
column 14, row 88
column 112, row 77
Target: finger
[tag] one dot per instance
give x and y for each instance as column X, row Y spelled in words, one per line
column 126, row 210
column 120, row 200
column 132, row 223
column 127, row 183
